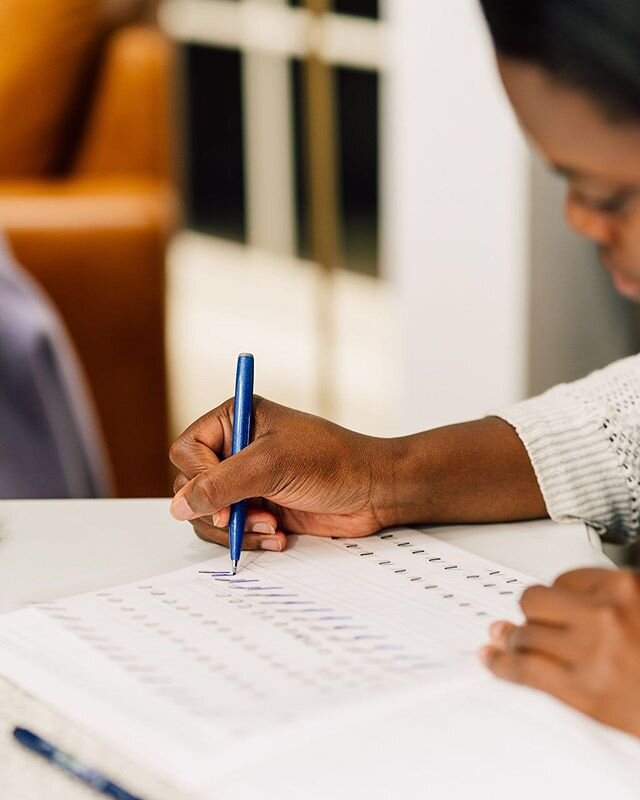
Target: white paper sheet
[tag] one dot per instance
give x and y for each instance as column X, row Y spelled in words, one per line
column 488, row 740
column 194, row 674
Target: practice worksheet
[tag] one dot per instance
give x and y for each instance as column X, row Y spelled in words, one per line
column 189, row 671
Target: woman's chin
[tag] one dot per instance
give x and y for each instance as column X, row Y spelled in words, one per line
column 627, row 287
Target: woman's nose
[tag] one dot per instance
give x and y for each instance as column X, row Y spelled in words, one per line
column 595, row 225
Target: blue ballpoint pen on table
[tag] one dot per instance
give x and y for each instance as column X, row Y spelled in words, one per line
column 71, row 766
column 242, row 416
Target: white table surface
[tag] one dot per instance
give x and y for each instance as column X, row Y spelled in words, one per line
column 54, row 548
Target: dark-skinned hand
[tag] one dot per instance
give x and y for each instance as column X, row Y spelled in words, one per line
column 305, row 475
column 580, row 643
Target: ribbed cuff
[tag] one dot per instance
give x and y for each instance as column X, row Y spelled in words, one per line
column 575, row 462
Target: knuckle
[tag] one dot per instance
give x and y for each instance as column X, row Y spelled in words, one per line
column 180, row 482
column 202, row 532
column 520, row 638
column 205, row 491
column 562, row 580
column 531, row 597
column 627, row 587
column 177, row 451
column 569, row 579
column 251, row 543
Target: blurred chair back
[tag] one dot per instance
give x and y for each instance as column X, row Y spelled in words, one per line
column 51, row 445
column 88, row 202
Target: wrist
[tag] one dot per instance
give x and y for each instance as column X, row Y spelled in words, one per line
column 469, row 473
column 400, row 480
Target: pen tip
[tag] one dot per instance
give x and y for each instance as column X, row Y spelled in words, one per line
column 235, row 567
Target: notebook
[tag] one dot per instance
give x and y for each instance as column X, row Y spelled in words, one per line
column 195, row 675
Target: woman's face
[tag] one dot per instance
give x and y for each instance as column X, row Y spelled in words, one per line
column 600, row 159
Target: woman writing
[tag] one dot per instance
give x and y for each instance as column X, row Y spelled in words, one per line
column 571, row 69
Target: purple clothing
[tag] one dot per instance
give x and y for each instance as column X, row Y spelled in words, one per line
column 50, row 444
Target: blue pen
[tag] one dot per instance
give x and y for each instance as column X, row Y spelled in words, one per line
column 71, row 766
column 242, row 414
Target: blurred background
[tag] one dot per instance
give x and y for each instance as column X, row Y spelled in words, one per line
column 338, row 187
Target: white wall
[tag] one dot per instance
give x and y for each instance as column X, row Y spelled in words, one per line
column 455, row 212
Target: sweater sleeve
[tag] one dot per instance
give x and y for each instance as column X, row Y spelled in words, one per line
column 583, row 440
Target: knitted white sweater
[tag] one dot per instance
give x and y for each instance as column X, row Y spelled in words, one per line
column 583, row 439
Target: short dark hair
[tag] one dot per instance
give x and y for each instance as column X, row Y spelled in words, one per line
column 593, row 45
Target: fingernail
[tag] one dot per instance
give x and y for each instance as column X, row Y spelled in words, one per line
column 263, row 527
column 217, row 520
column 271, row 544
column 181, row 510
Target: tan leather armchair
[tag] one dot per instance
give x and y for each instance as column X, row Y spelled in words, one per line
column 92, row 225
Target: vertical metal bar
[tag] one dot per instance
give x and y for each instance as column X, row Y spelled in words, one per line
column 321, row 158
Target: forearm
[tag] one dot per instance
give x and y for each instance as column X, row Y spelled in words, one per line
column 473, row 472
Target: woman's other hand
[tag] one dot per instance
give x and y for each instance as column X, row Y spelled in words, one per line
column 580, row 643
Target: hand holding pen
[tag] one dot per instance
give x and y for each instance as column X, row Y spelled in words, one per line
column 301, row 473
column 304, row 474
